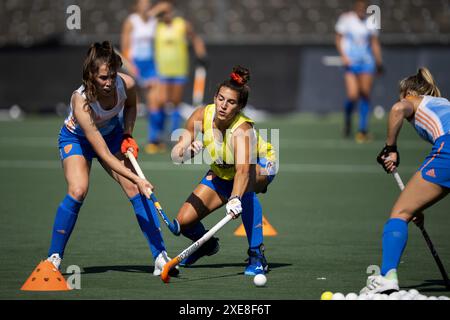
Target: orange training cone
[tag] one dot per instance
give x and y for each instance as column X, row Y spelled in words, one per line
column 268, row 230
column 45, row 278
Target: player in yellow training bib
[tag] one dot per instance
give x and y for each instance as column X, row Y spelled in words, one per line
column 242, row 165
column 172, row 37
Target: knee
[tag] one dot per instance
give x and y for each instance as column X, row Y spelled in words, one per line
column 403, row 214
column 78, row 192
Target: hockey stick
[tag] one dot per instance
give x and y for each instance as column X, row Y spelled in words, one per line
column 192, row 248
column 199, row 86
column 427, row 238
column 173, row 227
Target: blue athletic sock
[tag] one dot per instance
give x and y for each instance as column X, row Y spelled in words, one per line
column 364, row 107
column 149, row 223
column 395, row 236
column 252, row 219
column 152, row 123
column 161, row 122
column 194, row 233
column 65, row 219
column 176, row 119
column 348, row 110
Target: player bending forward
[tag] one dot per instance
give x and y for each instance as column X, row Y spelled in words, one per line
column 242, row 165
column 421, row 104
column 93, row 130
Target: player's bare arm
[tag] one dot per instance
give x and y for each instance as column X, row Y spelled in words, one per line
column 130, row 109
column 186, row 146
column 84, row 118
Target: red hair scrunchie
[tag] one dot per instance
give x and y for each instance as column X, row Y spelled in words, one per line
column 237, row 78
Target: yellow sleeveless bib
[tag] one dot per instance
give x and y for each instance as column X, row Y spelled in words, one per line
column 221, row 153
column 171, row 49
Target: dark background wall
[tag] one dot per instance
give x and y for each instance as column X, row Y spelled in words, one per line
column 285, row 78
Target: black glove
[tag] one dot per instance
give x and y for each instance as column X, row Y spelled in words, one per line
column 203, row 62
column 384, row 153
column 380, row 69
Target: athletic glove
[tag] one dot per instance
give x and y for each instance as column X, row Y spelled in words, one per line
column 234, row 206
column 127, row 143
column 384, row 154
column 380, row 69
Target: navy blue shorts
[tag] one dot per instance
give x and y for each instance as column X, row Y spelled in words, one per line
column 71, row 144
column 147, row 71
column 436, row 166
column 361, row 68
column 225, row 187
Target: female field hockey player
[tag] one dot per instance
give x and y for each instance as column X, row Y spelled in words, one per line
column 242, row 165
column 421, row 104
column 92, row 130
column 137, row 45
column 172, row 37
column 359, row 47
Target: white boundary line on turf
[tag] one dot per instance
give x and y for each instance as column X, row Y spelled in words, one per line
column 285, row 143
column 166, row 166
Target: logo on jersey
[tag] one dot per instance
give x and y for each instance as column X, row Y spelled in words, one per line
column 67, row 148
column 431, row 173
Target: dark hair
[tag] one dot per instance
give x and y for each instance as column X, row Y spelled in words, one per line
column 421, row 83
column 98, row 54
column 238, row 82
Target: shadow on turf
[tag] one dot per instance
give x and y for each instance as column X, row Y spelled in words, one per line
column 429, row 286
column 149, row 269
column 243, row 265
column 103, row 269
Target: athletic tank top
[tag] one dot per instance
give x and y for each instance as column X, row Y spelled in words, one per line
column 432, row 118
column 171, row 48
column 142, row 37
column 105, row 120
column 221, row 153
column 356, row 37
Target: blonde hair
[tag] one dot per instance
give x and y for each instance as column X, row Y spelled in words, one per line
column 421, row 83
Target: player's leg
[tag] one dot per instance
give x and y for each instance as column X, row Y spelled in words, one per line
column 145, row 212
column 252, row 216
column 418, row 195
column 176, row 96
column 76, row 172
column 365, row 82
column 203, row 200
column 156, row 118
column 352, row 92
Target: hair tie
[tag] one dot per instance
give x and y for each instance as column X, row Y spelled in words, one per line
column 237, row 78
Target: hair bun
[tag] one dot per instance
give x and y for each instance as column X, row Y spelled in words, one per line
column 240, row 75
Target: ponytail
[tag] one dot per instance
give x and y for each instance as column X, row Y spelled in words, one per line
column 422, row 83
column 432, row 89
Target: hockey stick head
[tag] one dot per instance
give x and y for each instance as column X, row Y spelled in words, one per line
column 165, row 277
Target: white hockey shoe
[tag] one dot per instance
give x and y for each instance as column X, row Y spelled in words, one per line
column 55, row 259
column 160, row 261
column 380, row 284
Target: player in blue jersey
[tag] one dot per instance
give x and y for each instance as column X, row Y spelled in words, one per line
column 93, row 130
column 137, row 45
column 357, row 43
column 420, row 103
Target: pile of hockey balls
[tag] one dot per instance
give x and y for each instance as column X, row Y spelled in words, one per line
column 412, row 294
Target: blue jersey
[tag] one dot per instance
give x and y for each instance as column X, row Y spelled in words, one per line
column 356, row 38
column 432, row 118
